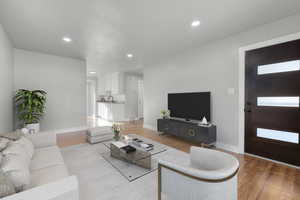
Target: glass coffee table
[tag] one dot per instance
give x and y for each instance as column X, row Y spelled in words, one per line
column 135, row 164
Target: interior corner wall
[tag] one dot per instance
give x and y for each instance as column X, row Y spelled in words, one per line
column 6, row 82
column 64, row 79
column 211, row 67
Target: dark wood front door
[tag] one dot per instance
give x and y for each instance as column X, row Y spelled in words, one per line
column 272, row 90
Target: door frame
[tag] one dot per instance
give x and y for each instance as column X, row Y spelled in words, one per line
column 92, row 81
column 141, row 98
column 242, row 52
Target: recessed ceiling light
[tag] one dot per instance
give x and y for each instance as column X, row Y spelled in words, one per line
column 92, row 72
column 129, row 55
column 195, row 23
column 67, row 39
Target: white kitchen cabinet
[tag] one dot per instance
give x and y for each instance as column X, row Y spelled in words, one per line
column 108, row 82
column 111, row 111
column 117, row 83
column 114, row 82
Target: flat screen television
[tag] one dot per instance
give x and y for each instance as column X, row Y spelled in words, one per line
column 190, row 105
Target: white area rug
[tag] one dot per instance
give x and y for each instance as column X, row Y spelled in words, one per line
column 98, row 180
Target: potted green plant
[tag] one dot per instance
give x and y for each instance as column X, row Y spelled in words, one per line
column 30, row 108
column 165, row 114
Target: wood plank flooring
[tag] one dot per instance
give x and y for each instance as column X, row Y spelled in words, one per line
column 258, row 179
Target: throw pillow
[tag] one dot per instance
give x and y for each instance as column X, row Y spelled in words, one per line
column 6, row 186
column 12, row 136
column 26, row 144
column 16, row 171
column 17, row 150
column 3, row 143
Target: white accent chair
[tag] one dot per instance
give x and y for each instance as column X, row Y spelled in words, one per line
column 210, row 175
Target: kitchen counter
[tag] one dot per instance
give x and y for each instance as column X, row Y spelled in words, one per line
column 113, row 102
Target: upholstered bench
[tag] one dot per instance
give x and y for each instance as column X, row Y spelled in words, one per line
column 99, row 134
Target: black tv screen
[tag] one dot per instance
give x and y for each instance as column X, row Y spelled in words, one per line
column 190, row 105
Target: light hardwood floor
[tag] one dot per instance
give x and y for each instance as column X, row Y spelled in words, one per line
column 258, row 179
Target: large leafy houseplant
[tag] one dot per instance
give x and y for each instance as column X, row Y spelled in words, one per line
column 30, row 106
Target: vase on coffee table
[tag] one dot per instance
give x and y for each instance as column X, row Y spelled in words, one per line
column 117, row 135
column 116, row 129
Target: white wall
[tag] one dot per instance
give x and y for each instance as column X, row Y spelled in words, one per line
column 6, row 82
column 211, row 67
column 64, row 79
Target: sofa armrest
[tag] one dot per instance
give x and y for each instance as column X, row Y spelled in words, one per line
column 65, row 189
column 43, row 139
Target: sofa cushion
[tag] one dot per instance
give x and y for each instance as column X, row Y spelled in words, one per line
column 12, row 136
column 16, row 170
column 42, row 139
column 18, row 151
column 27, row 145
column 6, row 186
column 47, row 175
column 46, row 157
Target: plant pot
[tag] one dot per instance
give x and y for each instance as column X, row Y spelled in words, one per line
column 33, row 128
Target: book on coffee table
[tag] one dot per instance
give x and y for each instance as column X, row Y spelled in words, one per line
column 128, row 149
column 141, row 144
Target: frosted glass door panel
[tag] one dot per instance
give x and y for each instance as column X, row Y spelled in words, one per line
column 279, row 67
column 278, row 101
column 278, row 135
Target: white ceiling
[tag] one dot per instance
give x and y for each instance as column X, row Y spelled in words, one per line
column 104, row 31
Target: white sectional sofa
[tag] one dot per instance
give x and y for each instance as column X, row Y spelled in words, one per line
column 50, row 179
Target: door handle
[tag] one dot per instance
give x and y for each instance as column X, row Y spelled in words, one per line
column 247, row 110
column 248, row 107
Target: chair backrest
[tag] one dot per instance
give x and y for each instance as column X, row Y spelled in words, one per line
column 208, row 159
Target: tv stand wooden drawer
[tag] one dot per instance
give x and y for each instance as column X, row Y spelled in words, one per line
column 187, row 130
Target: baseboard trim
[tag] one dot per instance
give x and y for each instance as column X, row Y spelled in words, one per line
column 69, row 130
column 227, row 147
column 275, row 161
column 147, row 126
